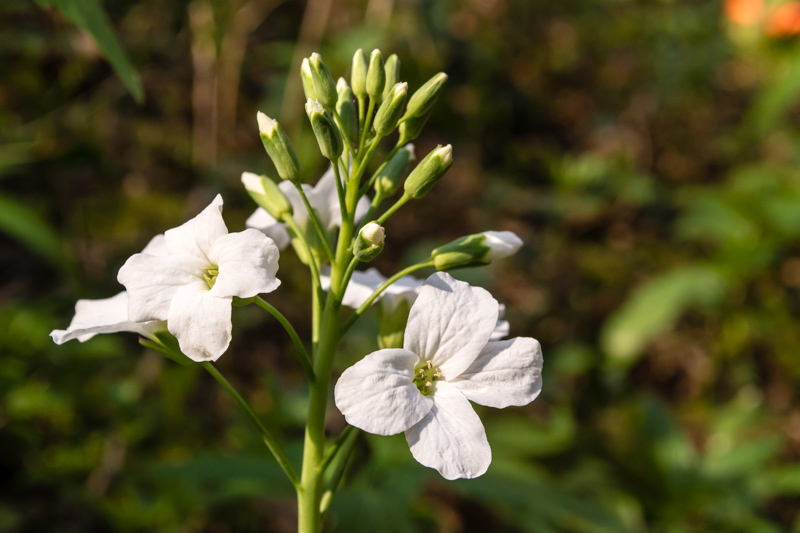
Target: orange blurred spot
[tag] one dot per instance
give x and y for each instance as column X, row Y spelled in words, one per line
column 784, row 20
column 744, row 12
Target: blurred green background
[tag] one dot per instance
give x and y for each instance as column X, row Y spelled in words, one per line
column 646, row 151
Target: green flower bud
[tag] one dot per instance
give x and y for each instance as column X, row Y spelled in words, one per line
column 307, row 79
column 358, row 76
column 279, row 148
column 347, row 109
column 326, row 132
column 392, row 324
column 324, row 86
column 392, row 70
column 410, row 128
column 476, row 250
column 267, row 194
column 369, row 242
column 423, row 99
column 390, row 110
column 428, row 171
column 376, row 76
column 388, row 180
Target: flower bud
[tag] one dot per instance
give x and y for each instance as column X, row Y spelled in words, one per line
column 358, row 76
column 390, row 110
column 324, row 86
column 423, row 99
column 428, row 171
column 326, row 132
column 388, row 180
column 307, row 79
column 267, row 194
column 392, row 70
column 279, row 147
column 376, row 76
column 347, row 109
column 392, row 323
column 369, row 242
column 475, row 250
column 410, row 128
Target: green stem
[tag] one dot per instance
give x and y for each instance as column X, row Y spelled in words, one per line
column 373, row 206
column 367, row 123
column 374, row 176
column 361, row 116
column 298, row 344
column 268, row 438
column 397, row 205
column 339, row 188
column 316, row 288
column 362, row 166
column 334, row 464
column 346, row 139
column 312, row 214
column 360, row 311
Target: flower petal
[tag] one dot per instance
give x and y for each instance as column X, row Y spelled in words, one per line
column 378, row 394
column 156, row 246
column 201, row 322
column 325, row 199
column 196, row 236
column 266, row 224
column 109, row 315
column 152, row 281
column 247, row 263
column 501, row 330
column 505, row 373
column 450, row 323
column 451, row 437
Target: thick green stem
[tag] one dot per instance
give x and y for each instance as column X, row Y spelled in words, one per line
column 298, row 344
column 311, row 481
column 339, row 188
column 360, row 311
column 317, row 293
column 268, row 438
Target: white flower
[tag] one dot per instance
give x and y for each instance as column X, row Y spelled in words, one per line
column 110, row 315
column 363, row 284
column 447, row 360
column 192, row 286
column 322, row 197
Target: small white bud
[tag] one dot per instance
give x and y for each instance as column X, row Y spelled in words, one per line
column 501, row 244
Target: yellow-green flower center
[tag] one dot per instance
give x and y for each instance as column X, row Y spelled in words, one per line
column 210, row 275
column 425, row 376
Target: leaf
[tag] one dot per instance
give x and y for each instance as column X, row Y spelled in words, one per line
column 24, row 224
column 90, row 17
column 654, row 308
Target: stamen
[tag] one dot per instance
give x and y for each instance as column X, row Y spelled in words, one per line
column 210, row 275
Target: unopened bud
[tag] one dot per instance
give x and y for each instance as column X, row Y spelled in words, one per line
column 392, row 324
column 279, row 148
column 410, row 128
column 358, row 76
column 347, row 109
column 307, row 79
column 267, row 194
column 324, row 86
column 376, row 76
column 428, row 171
column 475, row 250
column 326, row 132
column 423, row 98
column 391, row 109
column 392, row 70
column 369, row 242
column 389, row 178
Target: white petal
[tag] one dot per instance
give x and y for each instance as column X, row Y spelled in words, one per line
column 152, row 281
column 196, row 236
column 201, row 322
column 501, row 244
column 505, row 373
column 156, row 246
column 266, row 224
column 451, row 437
column 363, row 284
column 501, row 330
column 325, row 199
column 378, row 394
column 300, row 213
column 450, row 323
column 361, row 208
column 109, row 315
column 247, row 263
